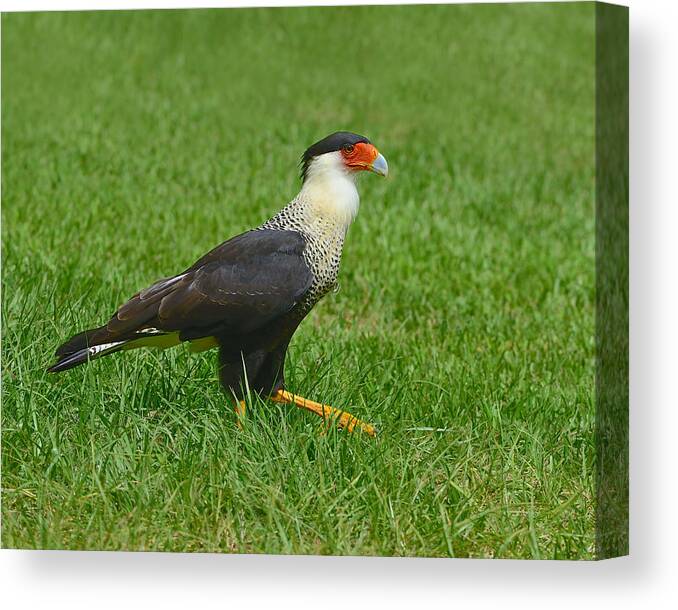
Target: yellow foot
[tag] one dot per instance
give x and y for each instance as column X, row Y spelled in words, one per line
column 240, row 410
column 343, row 418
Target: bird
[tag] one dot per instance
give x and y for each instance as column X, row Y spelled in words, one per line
column 248, row 295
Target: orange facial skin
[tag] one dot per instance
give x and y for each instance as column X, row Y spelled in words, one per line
column 360, row 157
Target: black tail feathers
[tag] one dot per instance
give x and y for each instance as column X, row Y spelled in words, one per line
column 83, row 347
column 82, row 340
column 68, row 362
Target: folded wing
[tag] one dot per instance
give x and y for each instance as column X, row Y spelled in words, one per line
column 238, row 287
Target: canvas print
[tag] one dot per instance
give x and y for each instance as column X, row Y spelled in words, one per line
column 341, row 281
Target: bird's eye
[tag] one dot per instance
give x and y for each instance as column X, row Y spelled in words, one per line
column 348, row 149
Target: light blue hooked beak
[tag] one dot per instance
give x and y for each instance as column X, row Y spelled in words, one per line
column 379, row 166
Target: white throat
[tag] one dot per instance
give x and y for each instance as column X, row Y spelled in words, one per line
column 330, row 190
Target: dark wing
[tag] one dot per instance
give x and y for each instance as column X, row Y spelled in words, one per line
column 238, row 287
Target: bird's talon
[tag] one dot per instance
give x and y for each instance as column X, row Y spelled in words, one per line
column 240, row 411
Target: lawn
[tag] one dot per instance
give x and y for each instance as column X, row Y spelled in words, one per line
column 133, row 142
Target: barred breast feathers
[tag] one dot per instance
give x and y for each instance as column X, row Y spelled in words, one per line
column 323, row 212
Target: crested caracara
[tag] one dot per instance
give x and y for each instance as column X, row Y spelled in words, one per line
column 249, row 294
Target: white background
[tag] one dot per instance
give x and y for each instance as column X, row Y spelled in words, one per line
column 647, row 578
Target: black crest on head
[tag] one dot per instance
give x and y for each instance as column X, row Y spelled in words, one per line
column 331, row 143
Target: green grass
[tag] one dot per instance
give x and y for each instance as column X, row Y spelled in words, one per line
column 134, row 142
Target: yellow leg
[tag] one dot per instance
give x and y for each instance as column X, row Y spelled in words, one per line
column 240, row 410
column 343, row 418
